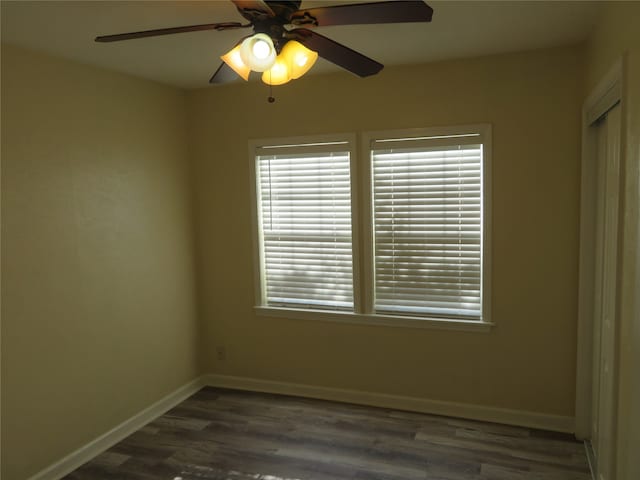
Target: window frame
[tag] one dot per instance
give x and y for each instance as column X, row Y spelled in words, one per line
column 362, row 232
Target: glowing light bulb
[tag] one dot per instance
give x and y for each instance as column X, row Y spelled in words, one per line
column 261, row 49
column 258, row 52
column 279, row 74
column 234, row 60
column 299, row 58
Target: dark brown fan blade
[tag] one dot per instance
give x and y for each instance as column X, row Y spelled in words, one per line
column 364, row 13
column 250, row 9
column 169, row 31
column 224, row 74
column 337, row 53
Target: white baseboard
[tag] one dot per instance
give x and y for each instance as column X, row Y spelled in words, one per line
column 77, row 458
column 522, row 418
column 476, row 412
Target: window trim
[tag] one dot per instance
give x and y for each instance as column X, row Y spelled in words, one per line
column 362, row 232
column 374, row 319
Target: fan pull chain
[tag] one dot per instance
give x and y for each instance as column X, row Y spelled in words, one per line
column 271, row 98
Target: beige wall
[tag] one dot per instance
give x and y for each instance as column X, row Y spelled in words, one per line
column 98, row 312
column 98, row 317
column 528, row 361
column 617, row 34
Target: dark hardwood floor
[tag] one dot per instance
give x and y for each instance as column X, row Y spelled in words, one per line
column 232, row 435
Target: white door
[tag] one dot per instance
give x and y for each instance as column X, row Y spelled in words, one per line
column 604, row 334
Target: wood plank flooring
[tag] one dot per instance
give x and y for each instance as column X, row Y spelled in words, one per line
column 220, row 434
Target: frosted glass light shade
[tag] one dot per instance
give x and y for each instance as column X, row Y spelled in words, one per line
column 234, row 60
column 258, row 52
column 298, row 57
column 279, row 74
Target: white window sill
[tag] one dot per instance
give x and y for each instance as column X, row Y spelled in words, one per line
column 375, row 319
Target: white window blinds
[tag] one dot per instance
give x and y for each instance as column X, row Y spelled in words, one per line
column 427, row 220
column 304, row 197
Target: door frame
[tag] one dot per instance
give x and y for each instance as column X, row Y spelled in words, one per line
column 604, row 96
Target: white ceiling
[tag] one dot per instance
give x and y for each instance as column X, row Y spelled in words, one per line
column 459, row 29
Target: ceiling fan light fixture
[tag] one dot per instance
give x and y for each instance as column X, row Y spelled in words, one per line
column 258, row 52
column 279, row 74
column 286, row 21
column 299, row 58
column 234, row 60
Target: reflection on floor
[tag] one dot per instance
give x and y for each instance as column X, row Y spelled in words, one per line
column 220, row 434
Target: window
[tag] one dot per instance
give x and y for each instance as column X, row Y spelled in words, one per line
column 422, row 220
column 427, row 226
column 304, row 198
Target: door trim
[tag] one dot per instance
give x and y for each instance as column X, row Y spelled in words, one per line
column 604, row 96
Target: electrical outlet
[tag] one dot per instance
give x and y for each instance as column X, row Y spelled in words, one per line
column 221, row 353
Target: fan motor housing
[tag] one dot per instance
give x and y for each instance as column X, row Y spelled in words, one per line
column 274, row 26
column 284, row 8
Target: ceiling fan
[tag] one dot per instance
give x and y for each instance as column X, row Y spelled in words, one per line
column 284, row 46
